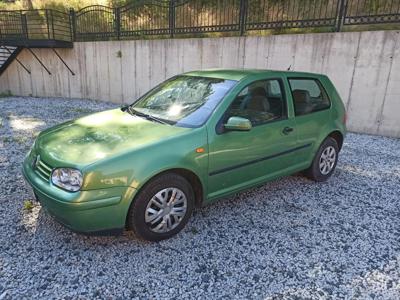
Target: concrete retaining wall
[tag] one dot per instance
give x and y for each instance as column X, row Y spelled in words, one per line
column 365, row 67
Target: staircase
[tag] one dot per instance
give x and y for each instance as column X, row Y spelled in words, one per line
column 7, row 55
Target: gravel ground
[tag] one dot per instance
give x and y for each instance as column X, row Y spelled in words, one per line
column 290, row 238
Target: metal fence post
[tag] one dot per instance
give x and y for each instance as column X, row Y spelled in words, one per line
column 47, row 23
column 72, row 24
column 341, row 15
column 24, row 25
column 117, row 18
column 52, row 24
column 243, row 16
column 171, row 17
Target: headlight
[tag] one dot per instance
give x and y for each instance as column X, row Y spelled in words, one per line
column 67, row 179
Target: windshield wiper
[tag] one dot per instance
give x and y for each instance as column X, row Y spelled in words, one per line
column 134, row 112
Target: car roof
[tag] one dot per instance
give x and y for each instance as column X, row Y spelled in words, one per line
column 239, row 74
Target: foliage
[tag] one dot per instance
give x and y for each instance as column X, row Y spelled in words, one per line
column 28, row 205
column 7, row 93
column 62, row 5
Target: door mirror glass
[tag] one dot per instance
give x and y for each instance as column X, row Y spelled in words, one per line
column 238, row 124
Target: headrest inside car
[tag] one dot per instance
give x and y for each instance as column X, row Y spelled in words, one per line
column 301, row 96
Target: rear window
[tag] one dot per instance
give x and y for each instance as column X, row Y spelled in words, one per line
column 308, row 96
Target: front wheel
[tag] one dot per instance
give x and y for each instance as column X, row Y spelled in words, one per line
column 162, row 208
column 325, row 161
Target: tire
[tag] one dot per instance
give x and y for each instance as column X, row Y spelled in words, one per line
column 324, row 162
column 162, row 208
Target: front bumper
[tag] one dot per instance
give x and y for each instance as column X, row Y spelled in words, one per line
column 93, row 211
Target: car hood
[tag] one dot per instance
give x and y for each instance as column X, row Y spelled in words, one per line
column 99, row 136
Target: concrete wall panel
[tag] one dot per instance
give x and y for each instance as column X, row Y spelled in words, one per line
column 24, row 77
column 389, row 122
column 128, row 71
column 114, row 55
column 191, row 56
column 370, row 79
column 364, row 66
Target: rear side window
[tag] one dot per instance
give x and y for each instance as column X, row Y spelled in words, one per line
column 308, row 96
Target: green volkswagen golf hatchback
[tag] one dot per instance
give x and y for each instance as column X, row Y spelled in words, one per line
column 192, row 139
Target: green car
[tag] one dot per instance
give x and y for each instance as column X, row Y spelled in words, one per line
column 192, row 139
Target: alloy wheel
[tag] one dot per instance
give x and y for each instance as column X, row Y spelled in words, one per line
column 327, row 160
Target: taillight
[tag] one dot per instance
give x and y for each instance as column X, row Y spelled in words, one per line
column 344, row 118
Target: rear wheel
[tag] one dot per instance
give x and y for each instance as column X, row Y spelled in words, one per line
column 162, row 208
column 325, row 161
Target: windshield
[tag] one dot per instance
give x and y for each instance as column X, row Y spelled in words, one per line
column 185, row 101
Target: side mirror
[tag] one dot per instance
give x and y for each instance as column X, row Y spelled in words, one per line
column 238, row 124
column 124, row 108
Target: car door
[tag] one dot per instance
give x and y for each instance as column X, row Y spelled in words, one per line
column 312, row 113
column 239, row 159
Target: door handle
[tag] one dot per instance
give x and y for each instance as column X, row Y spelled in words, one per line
column 287, row 130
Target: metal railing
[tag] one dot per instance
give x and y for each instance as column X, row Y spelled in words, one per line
column 263, row 14
column 38, row 24
column 179, row 17
column 95, row 22
column 371, row 12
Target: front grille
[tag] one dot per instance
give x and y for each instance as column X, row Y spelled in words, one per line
column 42, row 169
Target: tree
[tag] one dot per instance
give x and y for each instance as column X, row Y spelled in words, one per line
column 27, row 4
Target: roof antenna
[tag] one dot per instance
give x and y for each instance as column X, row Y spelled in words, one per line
column 288, row 69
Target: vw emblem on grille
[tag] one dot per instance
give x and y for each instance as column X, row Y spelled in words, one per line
column 35, row 162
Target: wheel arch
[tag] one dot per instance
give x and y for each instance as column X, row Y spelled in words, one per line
column 189, row 175
column 194, row 181
column 338, row 137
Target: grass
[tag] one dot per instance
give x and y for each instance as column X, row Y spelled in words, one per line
column 28, row 205
column 21, row 140
column 194, row 230
column 5, row 94
column 7, row 139
column 371, row 27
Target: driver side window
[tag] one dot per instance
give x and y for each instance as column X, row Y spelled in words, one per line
column 260, row 102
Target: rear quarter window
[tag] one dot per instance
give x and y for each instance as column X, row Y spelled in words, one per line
column 308, row 95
